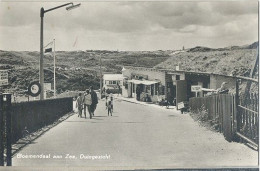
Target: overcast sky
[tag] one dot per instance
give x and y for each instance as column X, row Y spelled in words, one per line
column 129, row 25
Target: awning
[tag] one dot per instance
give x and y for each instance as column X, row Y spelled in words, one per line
column 145, row 82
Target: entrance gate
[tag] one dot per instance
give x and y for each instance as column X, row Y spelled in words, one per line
column 247, row 111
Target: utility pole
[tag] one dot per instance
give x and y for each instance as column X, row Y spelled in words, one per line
column 54, row 69
column 100, row 69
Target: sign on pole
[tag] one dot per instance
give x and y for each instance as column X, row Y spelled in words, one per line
column 47, row 86
column 34, row 89
column 3, row 77
column 196, row 89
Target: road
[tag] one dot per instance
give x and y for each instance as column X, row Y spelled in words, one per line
column 136, row 135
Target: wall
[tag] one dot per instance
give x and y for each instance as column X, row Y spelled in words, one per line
column 37, row 114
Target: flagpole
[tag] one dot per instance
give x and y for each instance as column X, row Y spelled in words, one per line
column 54, row 72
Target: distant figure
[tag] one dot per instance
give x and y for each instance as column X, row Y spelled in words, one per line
column 106, row 101
column 103, row 92
column 87, row 104
column 94, row 98
column 138, row 93
column 223, row 89
column 119, row 89
column 112, row 104
column 109, row 107
column 79, row 104
column 107, row 91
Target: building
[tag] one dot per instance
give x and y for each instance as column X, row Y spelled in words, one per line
column 111, row 82
column 149, row 84
column 144, row 84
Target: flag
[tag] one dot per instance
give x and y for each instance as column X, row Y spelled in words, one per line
column 48, row 47
column 48, row 50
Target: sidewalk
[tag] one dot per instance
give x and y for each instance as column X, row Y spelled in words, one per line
column 133, row 100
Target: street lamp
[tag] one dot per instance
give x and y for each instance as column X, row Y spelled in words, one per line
column 42, row 11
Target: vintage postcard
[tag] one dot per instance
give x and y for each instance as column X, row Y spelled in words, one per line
column 129, row 85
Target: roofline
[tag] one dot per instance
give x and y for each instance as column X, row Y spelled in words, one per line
column 171, row 71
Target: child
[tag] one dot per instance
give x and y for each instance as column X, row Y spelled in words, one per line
column 109, row 107
column 79, row 104
column 112, row 106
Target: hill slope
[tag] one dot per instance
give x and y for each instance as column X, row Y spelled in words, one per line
column 232, row 60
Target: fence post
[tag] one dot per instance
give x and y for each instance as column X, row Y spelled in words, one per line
column 7, row 106
column 1, row 132
column 235, row 113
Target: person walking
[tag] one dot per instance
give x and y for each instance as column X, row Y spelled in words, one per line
column 94, row 98
column 119, row 89
column 87, row 104
column 79, row 104
column 109, row 107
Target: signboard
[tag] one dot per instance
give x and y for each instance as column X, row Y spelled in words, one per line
column 3, row 77
column 34, row 89
column 196, row 88
column 181, row 105
column 47, row 86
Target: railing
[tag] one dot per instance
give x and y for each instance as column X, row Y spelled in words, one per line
column 247, row 117
column 37, row 114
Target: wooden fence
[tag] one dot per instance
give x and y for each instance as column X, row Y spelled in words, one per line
column 221, row 110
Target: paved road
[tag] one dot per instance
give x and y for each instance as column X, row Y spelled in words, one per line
column 135, row 135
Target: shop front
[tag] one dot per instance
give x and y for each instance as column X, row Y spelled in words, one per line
column 145, row 90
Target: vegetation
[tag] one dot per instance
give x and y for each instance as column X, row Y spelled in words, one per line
column 77, row 70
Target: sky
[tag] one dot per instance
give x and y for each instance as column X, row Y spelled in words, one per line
column 130, row 26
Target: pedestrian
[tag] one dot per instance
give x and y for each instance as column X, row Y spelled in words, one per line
column 138, row 93
column 109, row 107
column 79, row 104
column 106, row 101
column 119, row 89
column 94, row 98
column 87, row 103
column 111, row 98
column 103, row 92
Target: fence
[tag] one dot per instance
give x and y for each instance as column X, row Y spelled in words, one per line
column 221, row 111
column 37, row 114
column 247, row 117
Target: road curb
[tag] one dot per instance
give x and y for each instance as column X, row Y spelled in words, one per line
column 141, row 103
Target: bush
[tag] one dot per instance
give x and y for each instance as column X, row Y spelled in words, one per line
column 202, row 116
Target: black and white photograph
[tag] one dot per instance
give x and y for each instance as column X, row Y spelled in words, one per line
column 129, row 85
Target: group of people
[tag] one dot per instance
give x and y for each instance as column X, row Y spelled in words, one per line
column 87, row 101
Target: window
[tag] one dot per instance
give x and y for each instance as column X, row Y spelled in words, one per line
column 114, row 82
column 178, row 77
column 110, row 82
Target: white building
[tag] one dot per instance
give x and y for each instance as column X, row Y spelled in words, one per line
column 111, row 81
